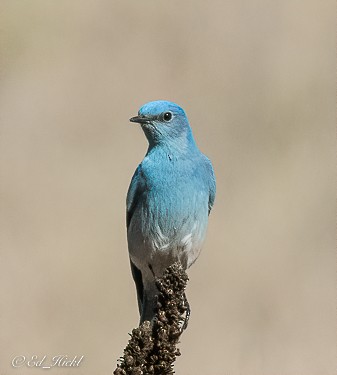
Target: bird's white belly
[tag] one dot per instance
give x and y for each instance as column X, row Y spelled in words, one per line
column 151, row 246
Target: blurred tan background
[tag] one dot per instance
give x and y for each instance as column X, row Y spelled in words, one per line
column 257, row 81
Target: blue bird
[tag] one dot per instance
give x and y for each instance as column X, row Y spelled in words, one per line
column 168, row 202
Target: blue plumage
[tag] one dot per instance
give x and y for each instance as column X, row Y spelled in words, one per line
column 169, row 199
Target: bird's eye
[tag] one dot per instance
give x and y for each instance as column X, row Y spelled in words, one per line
column 167, row 116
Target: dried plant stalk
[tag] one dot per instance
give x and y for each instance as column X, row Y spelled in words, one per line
column 152, row 348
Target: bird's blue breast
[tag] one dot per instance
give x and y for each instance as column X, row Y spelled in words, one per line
column 176, row 192
column 171, row 211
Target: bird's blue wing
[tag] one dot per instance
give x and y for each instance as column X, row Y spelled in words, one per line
column 135, row 191
column 212, row 184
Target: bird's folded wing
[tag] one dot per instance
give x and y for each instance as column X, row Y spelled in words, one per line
column 211, row 183
column 136, row 189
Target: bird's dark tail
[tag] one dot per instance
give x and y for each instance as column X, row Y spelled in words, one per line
column 149, row 305
column 137, row 277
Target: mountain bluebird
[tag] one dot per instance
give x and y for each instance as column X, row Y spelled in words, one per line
column 169, row 199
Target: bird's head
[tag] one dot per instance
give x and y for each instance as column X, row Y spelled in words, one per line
column 163, row 122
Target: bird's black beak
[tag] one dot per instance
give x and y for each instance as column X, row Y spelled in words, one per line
column 140, row 119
